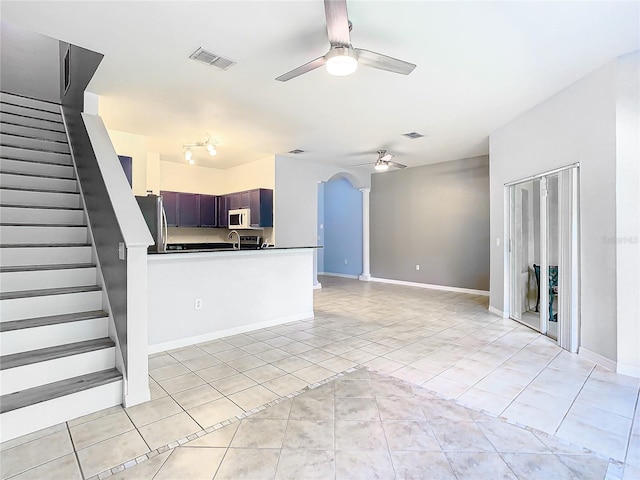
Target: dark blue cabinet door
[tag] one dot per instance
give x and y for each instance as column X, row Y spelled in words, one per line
column 208, row 211
column 170, row 203
column 223, row 211
column 245, row 199
column 235, row 201
column 188, row 209
column 261, row 204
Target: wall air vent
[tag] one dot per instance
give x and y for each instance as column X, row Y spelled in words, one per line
column 203, row 56
column 296, row 151
column 413, row 135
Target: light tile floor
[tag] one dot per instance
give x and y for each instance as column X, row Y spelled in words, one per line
column 445, row 342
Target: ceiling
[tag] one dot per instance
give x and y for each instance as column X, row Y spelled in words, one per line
column 479, row 65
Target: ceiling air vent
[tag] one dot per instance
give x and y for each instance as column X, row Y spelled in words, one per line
column 413, row 135
column 296, row 151
column 208, row 58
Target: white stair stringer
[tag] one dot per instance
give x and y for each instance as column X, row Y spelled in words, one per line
column 58, row 361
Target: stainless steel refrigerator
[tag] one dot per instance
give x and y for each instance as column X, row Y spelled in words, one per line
column 156, row 218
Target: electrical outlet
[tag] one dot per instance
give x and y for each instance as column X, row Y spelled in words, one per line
column 345, row 261
column 417, row 267
column 198, row 304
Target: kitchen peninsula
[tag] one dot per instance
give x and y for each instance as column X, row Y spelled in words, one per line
column 195, row 297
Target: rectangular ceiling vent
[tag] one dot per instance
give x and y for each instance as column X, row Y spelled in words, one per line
column 413, row 135
column 296, row 151
column 203, row 56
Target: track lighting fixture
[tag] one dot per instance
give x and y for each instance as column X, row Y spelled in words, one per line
column 209, row 144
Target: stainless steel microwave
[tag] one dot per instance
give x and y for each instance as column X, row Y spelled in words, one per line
column 240, row 218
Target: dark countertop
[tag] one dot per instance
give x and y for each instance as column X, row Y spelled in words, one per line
column 205, row 248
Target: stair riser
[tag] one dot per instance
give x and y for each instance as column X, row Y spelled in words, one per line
column 46, row 414
column 31, row 122
column 41, row 215
column 41, row 373
column 21, row 166
column 32, row 132
column 51, row 199
column 37, row 143
column 11, row 235
column 30, row 112
column 16, row 341
column 8, row 180
column 35, row 155
column 14, row 257
column 33, row 307
column 36, row 280
column 29, row 102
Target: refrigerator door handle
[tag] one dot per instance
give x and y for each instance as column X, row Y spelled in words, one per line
column 165, row 229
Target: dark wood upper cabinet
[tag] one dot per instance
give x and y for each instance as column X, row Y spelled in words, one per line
column 170, row 203
column 261, row 205
column 208, row 211
column 188, row 210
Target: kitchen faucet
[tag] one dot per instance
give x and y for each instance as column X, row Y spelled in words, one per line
column 231, row 235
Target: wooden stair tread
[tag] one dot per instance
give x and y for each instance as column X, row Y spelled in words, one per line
column 37, row 175
column 48, row 291
column 31, row 137
column 40, row 225
column 43, row 393
column 51, row 353
column 35, row 189
column 51, row 320
column 39, row 207
column 45, row 245
column 37, row 268
column 33, row 149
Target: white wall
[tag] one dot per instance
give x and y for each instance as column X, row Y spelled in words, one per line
column 296, row 198
column 576, row 125
column 136, row 147
column 628, row 213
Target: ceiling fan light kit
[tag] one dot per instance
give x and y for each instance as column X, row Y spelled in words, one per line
column 341, row 61
column 381, row 165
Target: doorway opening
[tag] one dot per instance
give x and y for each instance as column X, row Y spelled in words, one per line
column 543, row 254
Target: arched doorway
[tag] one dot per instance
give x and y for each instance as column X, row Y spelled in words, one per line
column 340, row 227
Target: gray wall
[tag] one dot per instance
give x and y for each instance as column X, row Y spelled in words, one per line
column 29, row 64
column 576, row 125
column 435, row 216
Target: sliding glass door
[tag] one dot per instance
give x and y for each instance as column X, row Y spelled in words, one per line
column 543, row 254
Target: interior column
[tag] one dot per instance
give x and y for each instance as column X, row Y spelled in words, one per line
column 366, row 272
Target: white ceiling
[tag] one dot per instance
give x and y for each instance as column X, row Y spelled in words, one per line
column 480, row 64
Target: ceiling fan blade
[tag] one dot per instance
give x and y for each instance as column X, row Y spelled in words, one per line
column 362, row 164
column 337, row 23
column 396, row 164
column 307, row 67
column 383, row 62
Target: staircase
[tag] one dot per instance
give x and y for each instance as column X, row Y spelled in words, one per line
column 57, row 361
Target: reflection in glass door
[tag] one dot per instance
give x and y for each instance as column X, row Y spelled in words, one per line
column 553, row 253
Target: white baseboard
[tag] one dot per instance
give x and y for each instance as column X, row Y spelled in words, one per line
column 317, row 286
column 343, row 275
column 207, row 337
column 630, row 370
column 364, row 278
column 597, row 358
column 500, row 313
column 432, row 287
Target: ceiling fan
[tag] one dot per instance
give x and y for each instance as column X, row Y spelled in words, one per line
column 383, row 162
column 342, row 59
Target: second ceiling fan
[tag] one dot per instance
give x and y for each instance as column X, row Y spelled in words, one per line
column 342, row 59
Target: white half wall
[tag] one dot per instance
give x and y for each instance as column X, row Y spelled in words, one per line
column 240, row 291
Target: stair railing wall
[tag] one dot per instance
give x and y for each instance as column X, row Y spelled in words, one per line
column 120, row 234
